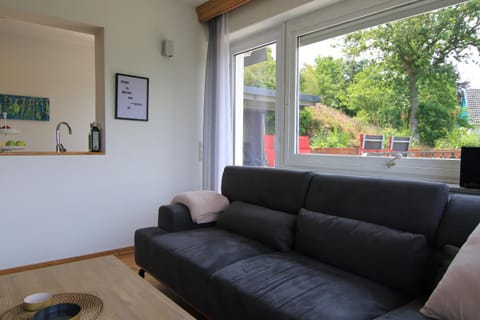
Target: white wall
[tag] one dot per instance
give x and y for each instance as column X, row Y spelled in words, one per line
column 53, row 63
column 54, row 207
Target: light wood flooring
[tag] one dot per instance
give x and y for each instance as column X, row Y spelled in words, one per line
column 128, row 257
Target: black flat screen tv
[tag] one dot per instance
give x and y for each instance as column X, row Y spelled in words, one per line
column 470, row 167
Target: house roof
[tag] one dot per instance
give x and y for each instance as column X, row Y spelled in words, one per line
column 305, row 99
column 472, row 98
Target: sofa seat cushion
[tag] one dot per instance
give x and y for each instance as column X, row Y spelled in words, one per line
column 271, row 227
column 185, row 260
column 291, row 286
column 409, row 311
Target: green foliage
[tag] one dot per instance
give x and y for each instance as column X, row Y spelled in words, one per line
column 373, row 97
column 423, row 40
column 308, row 125
column 435, row 121
column 326, row 79
column 308, row 80
column 305, row 119
column 459, row 137
column 270, row 122
column 336, row 138
column 418, row 47
column 262, row 74
column 438, row 109
column 438, row 84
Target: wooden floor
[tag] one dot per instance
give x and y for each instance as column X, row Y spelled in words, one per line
column 128, row 257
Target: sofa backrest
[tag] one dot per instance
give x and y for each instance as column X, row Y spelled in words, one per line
column 410, row 206
column 414, row 206
column 461, row 216
column 394, row 258
column 282, row 190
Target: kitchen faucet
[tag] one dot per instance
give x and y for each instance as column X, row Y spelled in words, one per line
column 60, row 147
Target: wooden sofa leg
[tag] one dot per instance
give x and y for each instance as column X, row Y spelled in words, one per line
column 141, row 273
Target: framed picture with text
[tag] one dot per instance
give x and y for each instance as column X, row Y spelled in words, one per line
column 131, row 100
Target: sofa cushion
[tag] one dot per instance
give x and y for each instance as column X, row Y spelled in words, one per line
column 290, row 286
column 391, row 257
column 273, row 228
column 446, row 257
column 460, row 218
column 412, row 206
column 277, row 189
column 185, row 260
column 409, row 311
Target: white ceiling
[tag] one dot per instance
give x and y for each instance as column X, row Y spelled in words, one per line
column 17, row 27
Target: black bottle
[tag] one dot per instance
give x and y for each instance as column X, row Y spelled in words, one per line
column 95, row 138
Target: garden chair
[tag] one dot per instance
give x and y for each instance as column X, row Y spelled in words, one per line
column 370, row 143
column 398, row 144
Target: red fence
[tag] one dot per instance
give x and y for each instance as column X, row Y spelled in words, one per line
column 411, row 153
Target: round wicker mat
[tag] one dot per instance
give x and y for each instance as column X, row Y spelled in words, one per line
column 90, row 307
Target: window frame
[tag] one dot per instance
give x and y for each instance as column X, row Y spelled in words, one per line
column 242, row 45
column 369, row 14
column 336, row 19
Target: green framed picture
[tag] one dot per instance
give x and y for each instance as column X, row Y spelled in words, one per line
column 25, row 107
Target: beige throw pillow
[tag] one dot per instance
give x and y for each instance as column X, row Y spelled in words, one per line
column 457, row 295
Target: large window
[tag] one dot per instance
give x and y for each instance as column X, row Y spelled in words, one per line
column 371, row 88
column 408, row 86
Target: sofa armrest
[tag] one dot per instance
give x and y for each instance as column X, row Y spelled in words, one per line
column 143, row 240
column 176, row 217
column 409, row 311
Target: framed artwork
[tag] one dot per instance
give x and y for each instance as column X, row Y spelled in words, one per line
column 25, row 107
column 131, row 101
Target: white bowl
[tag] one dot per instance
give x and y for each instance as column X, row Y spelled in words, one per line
column 36, row 301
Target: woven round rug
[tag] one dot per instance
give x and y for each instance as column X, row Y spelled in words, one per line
column 90, row 307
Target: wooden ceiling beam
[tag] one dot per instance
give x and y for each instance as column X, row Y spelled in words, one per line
column 214, row 8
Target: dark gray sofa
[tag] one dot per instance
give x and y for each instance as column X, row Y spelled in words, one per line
column 302, row 245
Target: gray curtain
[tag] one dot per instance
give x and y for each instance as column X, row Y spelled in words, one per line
column 217, row 114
